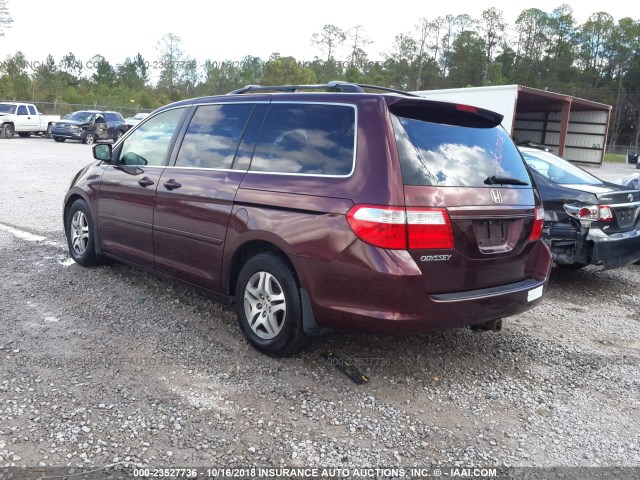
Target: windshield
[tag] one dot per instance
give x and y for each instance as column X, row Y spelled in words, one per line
column 83, row 117
column 7, row 108
column 558, row 170
column 456, row 156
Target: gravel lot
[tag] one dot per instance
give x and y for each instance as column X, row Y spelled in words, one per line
column 107, row 365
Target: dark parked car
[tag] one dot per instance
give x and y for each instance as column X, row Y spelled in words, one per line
column 587, row 220
column 372, row 212
column 89, row 126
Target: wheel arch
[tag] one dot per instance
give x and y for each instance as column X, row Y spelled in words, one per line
column 248, row 250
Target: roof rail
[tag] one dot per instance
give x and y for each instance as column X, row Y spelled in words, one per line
column 344, row 87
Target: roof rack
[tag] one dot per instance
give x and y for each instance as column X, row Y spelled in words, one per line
column 344, row 87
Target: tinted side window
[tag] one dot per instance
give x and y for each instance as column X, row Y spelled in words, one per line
column 455, row 156
column 113, row 117
column 213, row 136
column 22, row 110
column 32, row 110
column 148, row 145
column 306, row 139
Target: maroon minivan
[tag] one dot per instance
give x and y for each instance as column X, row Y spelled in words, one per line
column 321, row 207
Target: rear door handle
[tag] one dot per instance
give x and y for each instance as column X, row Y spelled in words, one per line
column 145, row 182
column 172, row 184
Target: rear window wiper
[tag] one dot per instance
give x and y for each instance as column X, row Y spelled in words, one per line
column 495, row 180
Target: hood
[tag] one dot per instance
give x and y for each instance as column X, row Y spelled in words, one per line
column 72, row 122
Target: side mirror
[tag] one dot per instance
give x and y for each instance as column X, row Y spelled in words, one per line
column 102, row 151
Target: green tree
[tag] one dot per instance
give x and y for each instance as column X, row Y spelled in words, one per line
column 46, row 80
column 104, row 74
column 286, row 71
column 468, row 60
column 329, row 40
column 17, row 84
column 171, row 59
column 595, row 39
column 71, row 68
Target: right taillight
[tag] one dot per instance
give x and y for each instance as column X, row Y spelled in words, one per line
column 538, row 223
column 399, row 228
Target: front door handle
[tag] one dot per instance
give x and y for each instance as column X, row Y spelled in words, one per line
column 145, row 182
column 172, row 184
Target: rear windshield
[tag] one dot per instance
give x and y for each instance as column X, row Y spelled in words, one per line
column 455, row 156
column 558, row 170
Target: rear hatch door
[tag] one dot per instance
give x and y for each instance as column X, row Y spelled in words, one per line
column 459, row 161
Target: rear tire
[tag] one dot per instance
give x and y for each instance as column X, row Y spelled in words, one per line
column 47, row 134
column 80, row 234
column 8, row 131
column 268, row 306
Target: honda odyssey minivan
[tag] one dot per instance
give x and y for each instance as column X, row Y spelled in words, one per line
column 335, row 206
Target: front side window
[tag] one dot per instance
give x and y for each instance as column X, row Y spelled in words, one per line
column 22, row 110
column 149, row 144
column 308, row 139
column 456, row 156
column 213, row 136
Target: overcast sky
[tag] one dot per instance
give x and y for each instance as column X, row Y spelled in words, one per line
column 219, row 30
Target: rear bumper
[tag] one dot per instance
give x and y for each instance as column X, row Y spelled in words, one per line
column 384, row 293
column 616, row 250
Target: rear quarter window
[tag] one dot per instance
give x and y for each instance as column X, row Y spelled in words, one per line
column 114, row 117
column 306, row 139
column 455, row 156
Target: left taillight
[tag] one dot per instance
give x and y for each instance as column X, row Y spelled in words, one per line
column 538, row 223
column 399, row 228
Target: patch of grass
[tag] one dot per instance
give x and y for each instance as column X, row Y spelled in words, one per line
column 614, row 158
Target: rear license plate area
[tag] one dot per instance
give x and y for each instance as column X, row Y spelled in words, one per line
column 490, row 233
column 625, row 218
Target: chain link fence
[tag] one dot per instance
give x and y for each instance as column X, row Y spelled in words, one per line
column 63, row 108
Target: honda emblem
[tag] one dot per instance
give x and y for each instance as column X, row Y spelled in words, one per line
column 496, row 196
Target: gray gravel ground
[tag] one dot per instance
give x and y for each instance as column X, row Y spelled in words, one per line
column 110, row 364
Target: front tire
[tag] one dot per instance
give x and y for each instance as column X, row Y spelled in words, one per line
column 80, row 234
column 24, row 134
column 47, row 134
column 89, row 139
column 268, row 306
column 59, row 139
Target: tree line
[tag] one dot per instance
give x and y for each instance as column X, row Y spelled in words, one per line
column 598, row 60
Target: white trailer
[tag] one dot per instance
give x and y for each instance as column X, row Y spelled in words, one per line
column 575, row 128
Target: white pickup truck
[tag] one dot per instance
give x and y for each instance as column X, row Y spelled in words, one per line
column 24, row 119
